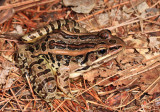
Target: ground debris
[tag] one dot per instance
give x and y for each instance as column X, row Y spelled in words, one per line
column 128, row 83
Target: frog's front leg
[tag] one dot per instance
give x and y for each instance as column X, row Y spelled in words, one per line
column 63, row 82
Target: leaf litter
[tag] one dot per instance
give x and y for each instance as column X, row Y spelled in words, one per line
column 128, row 83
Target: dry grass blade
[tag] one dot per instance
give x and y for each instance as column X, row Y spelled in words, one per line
column 138, row 96
column 30, row 3
column 6, row 15
column 101, row 11
column 16, row 99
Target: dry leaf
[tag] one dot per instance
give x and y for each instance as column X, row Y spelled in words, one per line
column 154, row 42
column 142, row 7
column 5, row 69
column 91, row 75
column 118, row 99
column 6, row 15
column 102, row 19
column 80, row 6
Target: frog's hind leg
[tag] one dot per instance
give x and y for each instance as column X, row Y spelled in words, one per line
column 63, row 85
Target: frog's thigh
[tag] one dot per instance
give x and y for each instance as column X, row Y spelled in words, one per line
column 63, row 79
column 42, row 79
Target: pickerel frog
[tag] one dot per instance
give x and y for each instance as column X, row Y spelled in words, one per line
column 61, row 50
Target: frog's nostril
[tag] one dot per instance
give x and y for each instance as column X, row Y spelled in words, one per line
column 112, row 41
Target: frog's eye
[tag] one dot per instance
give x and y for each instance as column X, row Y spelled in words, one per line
column 102, row 51
column 104, row 34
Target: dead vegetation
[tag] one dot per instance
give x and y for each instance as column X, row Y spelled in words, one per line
column 129, row 83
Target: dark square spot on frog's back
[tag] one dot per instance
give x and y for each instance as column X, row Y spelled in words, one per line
column 47, row 29
column 66, row 62
column 59, row 24
column 79, row 57
column 32, row 36
column 40, row 61
column 67, row 57
column 47, row 37
column 43, row 46
column 26, row 67
column 52, row 65
column 37, row 46
column 52, row 44
column 40, row 32
column 31, row 49
column 39, row 67
column 59, row 64
column 58, row 74
column 51, row 57
column 47, row 57
column 52, row 26
column 58, row 57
